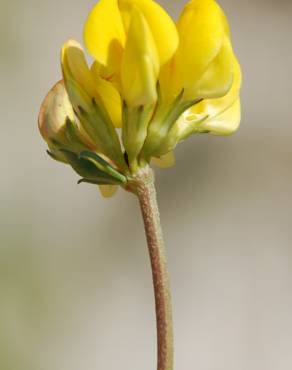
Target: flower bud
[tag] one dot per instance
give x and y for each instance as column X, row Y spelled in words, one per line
column 57, row 124
column 89, row 98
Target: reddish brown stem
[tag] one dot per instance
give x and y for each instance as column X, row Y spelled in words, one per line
column 145, row 190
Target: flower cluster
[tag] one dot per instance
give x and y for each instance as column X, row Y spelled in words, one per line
column 153, row 83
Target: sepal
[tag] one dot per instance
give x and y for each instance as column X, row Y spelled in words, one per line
column 135, row 131
column 88, row 170
column 103, row 165
column 159, row 139
column 55, row 157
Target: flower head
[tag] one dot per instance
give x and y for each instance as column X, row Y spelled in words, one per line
column 157, row 81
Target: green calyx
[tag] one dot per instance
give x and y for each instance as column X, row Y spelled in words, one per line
column 152, row 131
column 135, row 129
column 161, row 136
column 96, row 122
column 93, row 169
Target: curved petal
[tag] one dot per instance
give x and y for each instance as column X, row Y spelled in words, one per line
column 74, row 67
column 209, row 115
column 161, row 25
column 216, row 81
column 225, row 123
column 140, row 67
column 202, row 65
column 109, row 96
column 201, row 32
column 213, row 107
column 104, row 34
column 225, row 23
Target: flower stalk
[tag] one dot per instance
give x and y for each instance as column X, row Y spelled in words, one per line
column 143, row 186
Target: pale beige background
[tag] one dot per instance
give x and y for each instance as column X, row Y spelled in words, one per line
column 75, row 283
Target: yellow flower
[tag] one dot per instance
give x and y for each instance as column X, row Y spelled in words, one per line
column 203, row 69
column 131, row 39
column 157, row 81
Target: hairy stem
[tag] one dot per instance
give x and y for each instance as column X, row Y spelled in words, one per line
column 145, row 190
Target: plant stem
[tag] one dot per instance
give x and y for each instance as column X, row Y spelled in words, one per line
column 145, row 190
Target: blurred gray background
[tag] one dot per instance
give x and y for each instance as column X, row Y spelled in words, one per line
column 75, row 281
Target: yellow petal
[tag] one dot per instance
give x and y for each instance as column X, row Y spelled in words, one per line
column 221, row 116
column 213, row 107
column 104, row 34
column 140, row 65
column 162, row 27
column 216, row 81
column 165, row 161
column 225, row 123
column 75, row 67
column 225, row 23
column 201, row 31
column 109, row 96
column 108, row 191
column 202, row 65
column 105, row 73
